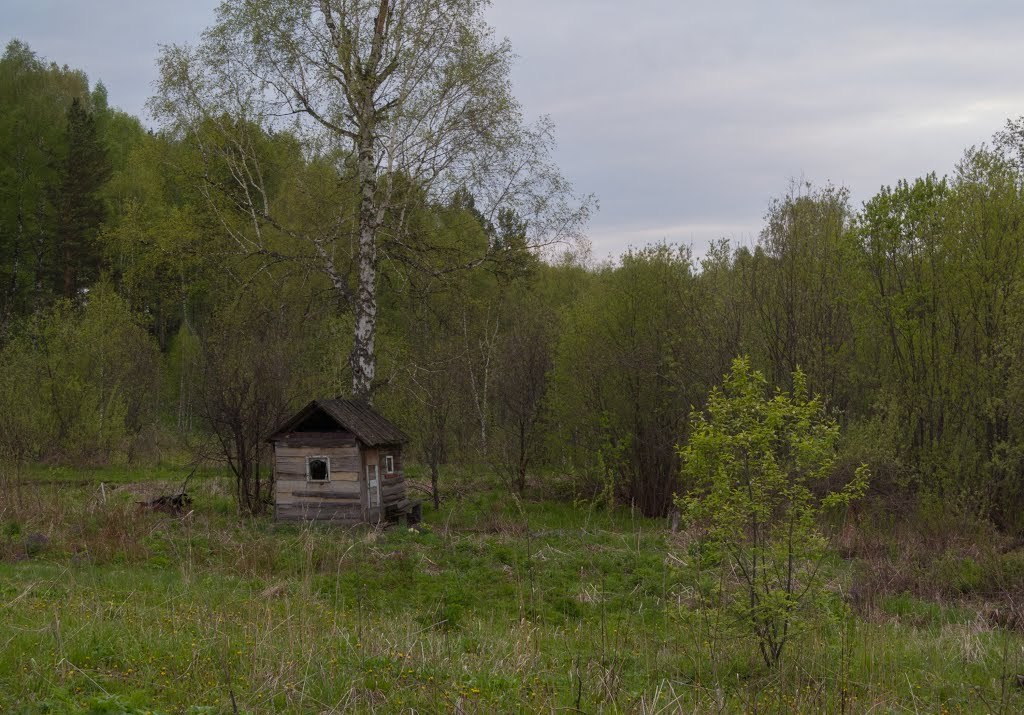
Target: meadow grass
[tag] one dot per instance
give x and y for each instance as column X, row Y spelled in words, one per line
column 120, row 474
column 494, row 604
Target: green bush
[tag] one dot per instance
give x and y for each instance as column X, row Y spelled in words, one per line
column 77, row 382
column 755, row 464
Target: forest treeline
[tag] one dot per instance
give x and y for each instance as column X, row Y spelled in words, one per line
column 136, row 324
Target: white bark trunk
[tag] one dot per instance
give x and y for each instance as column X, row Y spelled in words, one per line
column 363, row 357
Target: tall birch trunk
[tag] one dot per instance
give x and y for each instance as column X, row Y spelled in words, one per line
column 367, row 80
column 363, row 356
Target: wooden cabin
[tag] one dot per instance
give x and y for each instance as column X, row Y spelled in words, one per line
column 339, row 460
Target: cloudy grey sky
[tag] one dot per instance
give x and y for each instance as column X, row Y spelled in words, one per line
column 684, row 118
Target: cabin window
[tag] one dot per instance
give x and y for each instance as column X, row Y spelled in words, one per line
column 318, row 469
column 389, row 464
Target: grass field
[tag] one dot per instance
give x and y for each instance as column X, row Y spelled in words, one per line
column 493, row 605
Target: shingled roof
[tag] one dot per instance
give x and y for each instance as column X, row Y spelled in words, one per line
column 369, row 426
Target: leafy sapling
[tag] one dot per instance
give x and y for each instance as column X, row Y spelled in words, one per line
column 755, row 465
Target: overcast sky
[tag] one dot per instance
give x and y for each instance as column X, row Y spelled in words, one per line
column 684, row 119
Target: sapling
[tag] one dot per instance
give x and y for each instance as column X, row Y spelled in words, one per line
column 756, row 464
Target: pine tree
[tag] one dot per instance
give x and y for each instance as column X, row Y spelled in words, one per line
column 79, row 206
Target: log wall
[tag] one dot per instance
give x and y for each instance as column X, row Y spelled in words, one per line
column 340, row 498
column 344, row 496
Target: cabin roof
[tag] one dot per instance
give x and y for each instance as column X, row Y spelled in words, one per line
column 369, row 426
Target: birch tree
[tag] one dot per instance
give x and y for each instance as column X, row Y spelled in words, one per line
column 402, row 101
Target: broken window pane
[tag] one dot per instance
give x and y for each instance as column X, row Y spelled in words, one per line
column 318, row 470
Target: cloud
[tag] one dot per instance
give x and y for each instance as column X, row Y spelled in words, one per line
column 679, row 117
column 112, row 40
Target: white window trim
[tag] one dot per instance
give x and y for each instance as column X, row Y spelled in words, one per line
column 326, row 459
column 389, row 464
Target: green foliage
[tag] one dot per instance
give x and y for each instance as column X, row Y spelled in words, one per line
column 79, row 381
column 34, row 98
column 628, row 368
column 945, row 264
column 165, row 260
column 59, row 145
column 222, row 257
column 927, row 614
column 755, row 464
column 800, row 292
column 78, row 205
column 907, row 315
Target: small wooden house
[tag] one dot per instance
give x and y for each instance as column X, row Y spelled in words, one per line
column 338, row 460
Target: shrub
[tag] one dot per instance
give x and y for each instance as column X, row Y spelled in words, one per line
column 753, row 462
column 78, row 381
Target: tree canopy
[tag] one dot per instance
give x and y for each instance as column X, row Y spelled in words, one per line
column 255, row 217
column 390, row 105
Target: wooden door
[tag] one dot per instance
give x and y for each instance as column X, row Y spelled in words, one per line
column 373, row 490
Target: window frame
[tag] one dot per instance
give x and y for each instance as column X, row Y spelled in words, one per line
column 389, row 464
column 326, row 460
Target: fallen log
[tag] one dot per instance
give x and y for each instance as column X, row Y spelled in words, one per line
column 175, row 504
